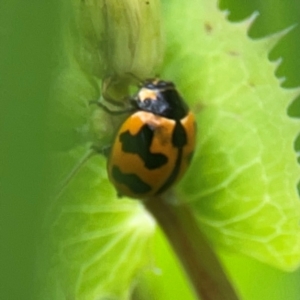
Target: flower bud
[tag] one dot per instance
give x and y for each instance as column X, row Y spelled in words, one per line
column 117, row 37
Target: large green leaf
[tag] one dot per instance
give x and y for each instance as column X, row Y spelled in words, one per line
column 242, row 181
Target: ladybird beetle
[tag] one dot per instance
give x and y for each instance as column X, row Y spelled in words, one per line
column 154, row 146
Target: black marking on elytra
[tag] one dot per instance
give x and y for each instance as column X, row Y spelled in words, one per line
column 179, row 140
column 179, row 137
column 104, row 150
column 173, row 175
column 140, row 144
column 132, row 181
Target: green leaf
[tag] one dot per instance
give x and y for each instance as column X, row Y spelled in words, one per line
column 98, row 242
column 242, row 182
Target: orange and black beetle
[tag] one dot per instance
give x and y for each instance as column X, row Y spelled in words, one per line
column 154, row 146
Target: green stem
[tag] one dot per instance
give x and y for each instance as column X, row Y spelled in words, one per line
column 198, row 259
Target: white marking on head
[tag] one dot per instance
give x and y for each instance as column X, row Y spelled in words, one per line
column 145, row 93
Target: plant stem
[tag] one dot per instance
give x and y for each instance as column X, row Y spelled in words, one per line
column 198, row 259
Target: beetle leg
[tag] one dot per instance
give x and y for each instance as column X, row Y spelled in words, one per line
column 112, row 112
column 112, row 101
column 104, row 150
column 105, row 85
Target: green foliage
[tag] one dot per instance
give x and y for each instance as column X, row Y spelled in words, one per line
column 99, row 242
column 244, row 193
column 241, row 184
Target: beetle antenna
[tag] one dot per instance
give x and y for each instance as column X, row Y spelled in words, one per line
column 135, row 77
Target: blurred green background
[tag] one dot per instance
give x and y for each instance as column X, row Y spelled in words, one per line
column 28, row 49
column 29, row 52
